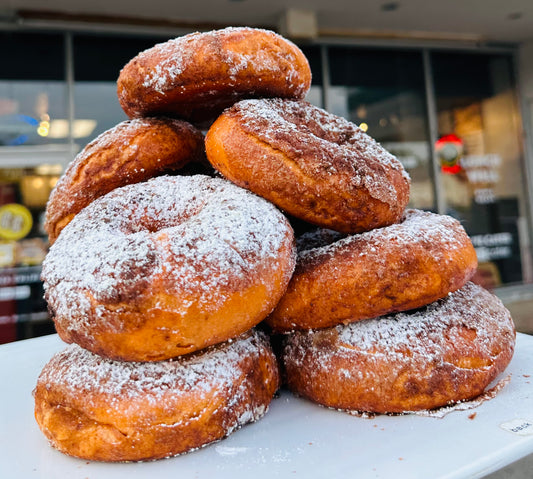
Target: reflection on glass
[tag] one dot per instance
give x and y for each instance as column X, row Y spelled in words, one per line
column 313, row 55
column 480, row 159
column 383, row 92
column 97, row 109
column 96, row 103
column 32, row 88
column 27, row 111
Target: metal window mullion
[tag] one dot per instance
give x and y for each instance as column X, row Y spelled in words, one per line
column 524, row 126
column 326, row 83
column 69, row 78
column 431, row 110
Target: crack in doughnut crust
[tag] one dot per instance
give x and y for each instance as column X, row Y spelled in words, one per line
column 395, row 268
column 131, row 152
column 198, row 75
column 99, row 409
column 314, row 165
column 446, row 352
column 162, row 268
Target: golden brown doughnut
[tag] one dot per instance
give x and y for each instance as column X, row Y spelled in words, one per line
column 163, row 268
column 395, row 268
column 99, row 409
column 314, row 165
column 198, row 75
column 446, row 352
column 132, row 151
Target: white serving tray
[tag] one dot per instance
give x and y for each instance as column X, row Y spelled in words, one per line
column 295, row 439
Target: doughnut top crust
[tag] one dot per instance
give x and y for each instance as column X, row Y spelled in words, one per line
column 395, row 268
column 445, row 352
column 94, row 382
column 198, row 75
column 180, row 248
column 317, row 166
column 136, row 411
column 130, row 152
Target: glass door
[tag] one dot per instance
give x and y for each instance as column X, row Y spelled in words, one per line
column 480, row 157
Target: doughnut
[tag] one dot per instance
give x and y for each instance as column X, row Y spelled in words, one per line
column 198, row 75
column 446, row 352
column 314, row 165
column 131, row 152
column 163, row 268
column 395, row 268
column 100, row 409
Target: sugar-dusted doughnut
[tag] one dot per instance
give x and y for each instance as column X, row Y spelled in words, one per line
column 198, row 75
column 166, row 267
column 395, row 268
column 132, row 151
column 446, row 352
column 99, row 409
column 314, row 165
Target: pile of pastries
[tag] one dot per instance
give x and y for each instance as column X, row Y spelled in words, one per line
column 174, row 263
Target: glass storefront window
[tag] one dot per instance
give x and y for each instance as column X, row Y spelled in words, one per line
column 33, row 94
column 481, row 159
column 383, row 91
column 315, row 94
column 471, row 96
column 33, row 131
column 96, row 106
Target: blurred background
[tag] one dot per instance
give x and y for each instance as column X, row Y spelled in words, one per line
column 445, row 86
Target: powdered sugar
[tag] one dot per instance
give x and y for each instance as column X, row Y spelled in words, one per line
column 132, row 388
column 178, row 54
column 85, row 372
column 421, row 337
column 202, row 236
column 332, row 145
column 421, row 332
column 437, row 233
column 132, row 151
column 450, row 348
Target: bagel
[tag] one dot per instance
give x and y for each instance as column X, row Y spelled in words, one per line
column 198, row 75
column 131, row 152
column 99, row 409
column 396, row 268
column 158, row 269
column 314, row 165
column 446, row 352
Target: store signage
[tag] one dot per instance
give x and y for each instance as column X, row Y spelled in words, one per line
column 480, row 171
column 16, row 221
column 449, row 149
column 493, row 246
column 15, row 293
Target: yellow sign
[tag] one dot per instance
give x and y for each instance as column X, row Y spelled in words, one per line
column 15, row 221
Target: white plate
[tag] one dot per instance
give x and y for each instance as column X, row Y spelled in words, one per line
column 295, row 439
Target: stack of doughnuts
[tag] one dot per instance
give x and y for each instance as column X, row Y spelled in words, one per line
column 385, row 270
column 157, row 276
column 168, row 283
